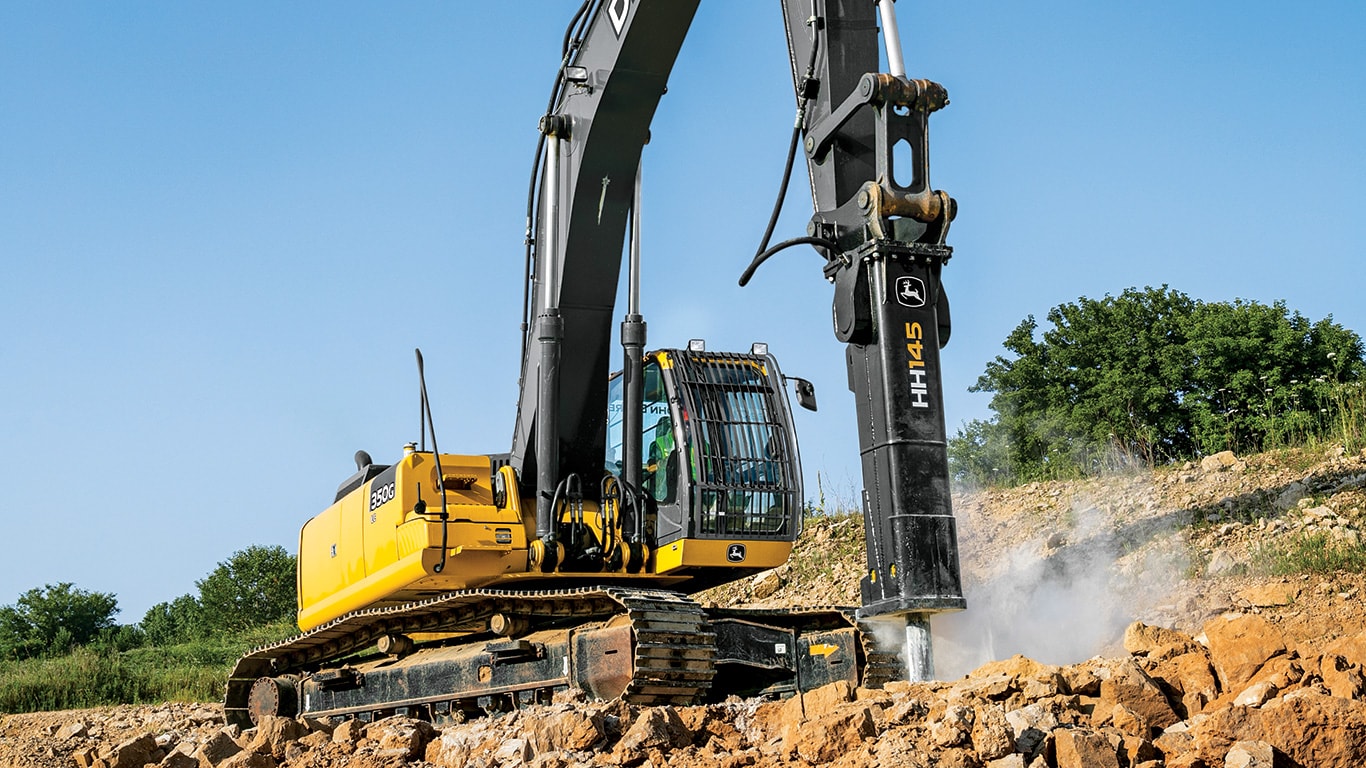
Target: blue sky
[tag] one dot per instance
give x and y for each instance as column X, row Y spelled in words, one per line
column 225, row 227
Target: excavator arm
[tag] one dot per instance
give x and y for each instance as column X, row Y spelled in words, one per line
column 882, row 228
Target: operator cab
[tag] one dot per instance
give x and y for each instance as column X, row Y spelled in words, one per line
column 719, row 453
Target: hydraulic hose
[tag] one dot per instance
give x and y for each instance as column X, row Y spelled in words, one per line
column 762, row 256
column 806, row 89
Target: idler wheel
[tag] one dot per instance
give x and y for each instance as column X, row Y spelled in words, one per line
column 507, row 625
column 272, row 697
column 395, row 645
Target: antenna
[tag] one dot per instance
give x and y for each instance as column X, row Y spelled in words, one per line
column 440, row 475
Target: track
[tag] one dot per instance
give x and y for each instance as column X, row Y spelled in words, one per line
column 672, row 643
column 672, row 653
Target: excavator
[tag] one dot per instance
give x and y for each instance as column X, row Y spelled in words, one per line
column 447, row 585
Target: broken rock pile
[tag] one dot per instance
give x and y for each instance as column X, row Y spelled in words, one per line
column 1238, row 695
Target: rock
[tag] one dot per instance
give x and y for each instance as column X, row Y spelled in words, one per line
column 1191, row 678
column 1135, row 750
column 218, row 748
column 401, row 734
column 513, row 751
column 1221, row 563
column 249, row 760
column 991, row 734
column 998, row 679
column 1281, row 672
column 823, row 740
column 74, row 730
column 449, row 750
column 996, row 687
column 1239, row 645
column 1080, row 680
column 571, row 731
column 765, row 584
column 710, row 726
column 178, row 759
column 1256, row 694
column 1016, row 666
column 1341, row 677
column 1249, row 754
column 1130, row 686
column 1015, row 760
column 953, row 726
column 1291, row 496
column 349, row 732
column 657, row 727
column 1319, row 513
column 824, row 700
column 86, row 758
column 1218, row 462
column 1353, row 649
column 273, row 733
column 1081, row 748
column 1311, row 729
column 905, row 709
column 1269, row 595
column 1156, row 642
column 1031, row 724
column 1177, row 739
column 133, row 753
column 1124, row 720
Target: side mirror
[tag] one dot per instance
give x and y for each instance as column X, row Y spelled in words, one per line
column 806, row 392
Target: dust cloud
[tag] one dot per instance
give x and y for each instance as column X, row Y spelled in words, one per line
column 1060, row 598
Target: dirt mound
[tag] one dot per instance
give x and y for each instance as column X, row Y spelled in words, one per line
column 1226, row 666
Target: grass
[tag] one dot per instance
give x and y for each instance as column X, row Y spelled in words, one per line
column 87, row 678
column 1343, row 419
column 1335, row 418
column 1316, row 553
column 193, row 671
column 830, row 540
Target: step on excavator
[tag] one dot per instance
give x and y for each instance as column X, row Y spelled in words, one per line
column 446, row 585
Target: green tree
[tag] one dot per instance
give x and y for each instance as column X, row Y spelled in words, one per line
column 1152, row 376
column 1264, row 375
column 175, row 622
column 253, row 587
column 979, row 453
column 54, row 619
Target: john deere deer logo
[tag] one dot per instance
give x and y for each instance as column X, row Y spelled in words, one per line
column 910, row 291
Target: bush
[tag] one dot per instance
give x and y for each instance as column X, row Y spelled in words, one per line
column 252, row 588
column 1153, row 376
column 178, row 621
column 53, row 620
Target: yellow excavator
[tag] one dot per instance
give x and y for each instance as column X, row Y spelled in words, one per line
column 445, row 584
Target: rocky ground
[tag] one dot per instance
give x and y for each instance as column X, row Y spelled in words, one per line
column 1125, row 621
